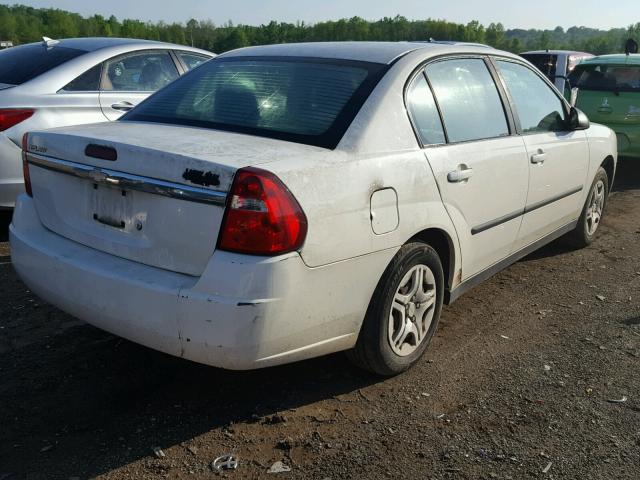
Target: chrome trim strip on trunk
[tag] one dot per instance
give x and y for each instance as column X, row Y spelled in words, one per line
column 129, row 181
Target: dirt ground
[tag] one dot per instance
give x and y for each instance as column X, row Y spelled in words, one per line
column 520, row 382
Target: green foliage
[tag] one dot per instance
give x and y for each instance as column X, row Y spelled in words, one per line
column 22, row 24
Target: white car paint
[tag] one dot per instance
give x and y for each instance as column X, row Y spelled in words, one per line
column 500, row 161
column 168, row 287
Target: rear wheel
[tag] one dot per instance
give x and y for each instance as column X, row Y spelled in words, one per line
column 404, row 312
column 592, row 211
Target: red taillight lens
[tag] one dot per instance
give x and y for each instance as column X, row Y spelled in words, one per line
column 25, row 165
column 12, row 116
column 262, row 217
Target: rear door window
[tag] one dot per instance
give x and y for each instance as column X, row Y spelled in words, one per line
column 538, row 107
column 89, row 81
column 139, row 72
column 424, row 113
column 192, row 60
column 468, row 99
column 21, row 64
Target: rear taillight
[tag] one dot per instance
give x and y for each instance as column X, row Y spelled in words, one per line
column 262, row 217
column 25, row 165
column 12, row 116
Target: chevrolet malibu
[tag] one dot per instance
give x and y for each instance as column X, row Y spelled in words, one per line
column 284, row 202
column 55, row 83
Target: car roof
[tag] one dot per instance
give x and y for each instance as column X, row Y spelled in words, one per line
column 91, row 44
column 374, row 52
column 454, row 42
column 613, row 59
column 555, row 52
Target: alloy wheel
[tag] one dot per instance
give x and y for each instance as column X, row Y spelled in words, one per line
column 595, row 208
column 412, row 310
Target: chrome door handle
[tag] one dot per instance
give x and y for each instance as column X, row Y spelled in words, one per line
column 539, row 157
column 123, row 106
column 462, row 174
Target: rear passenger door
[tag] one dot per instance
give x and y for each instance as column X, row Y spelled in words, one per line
column 128, row 79
column 480, row 167
column 79, row 99
column 558, row 157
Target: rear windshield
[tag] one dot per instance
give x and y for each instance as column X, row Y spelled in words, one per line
column 613, row 78
column 310, row 101
column 544, row 62
column 23, row 63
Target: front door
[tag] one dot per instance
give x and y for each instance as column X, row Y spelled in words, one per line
column 558, row 157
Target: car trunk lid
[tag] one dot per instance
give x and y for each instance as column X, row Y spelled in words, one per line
column 160, row 202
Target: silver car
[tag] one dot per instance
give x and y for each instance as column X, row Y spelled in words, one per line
column 57, row 83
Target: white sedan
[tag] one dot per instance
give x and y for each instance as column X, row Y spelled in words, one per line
column 289, row 201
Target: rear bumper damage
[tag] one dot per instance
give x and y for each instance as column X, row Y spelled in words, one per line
column 242, row 313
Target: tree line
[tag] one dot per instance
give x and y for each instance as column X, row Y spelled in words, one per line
column 21, row 24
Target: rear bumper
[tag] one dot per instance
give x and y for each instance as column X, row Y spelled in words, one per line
column 242, row 313
column 11, row 179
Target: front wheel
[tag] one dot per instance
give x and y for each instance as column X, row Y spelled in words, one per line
column 404, row 312
column 592, row 211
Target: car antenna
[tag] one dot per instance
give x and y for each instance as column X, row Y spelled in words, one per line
column 49, row 42
column 631, row 46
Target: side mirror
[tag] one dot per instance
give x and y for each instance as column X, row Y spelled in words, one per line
column 578, row 120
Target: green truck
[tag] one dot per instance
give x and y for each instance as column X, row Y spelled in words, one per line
column 608, row 91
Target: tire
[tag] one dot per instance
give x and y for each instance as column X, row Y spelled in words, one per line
column 592, row 211
column 375, row 349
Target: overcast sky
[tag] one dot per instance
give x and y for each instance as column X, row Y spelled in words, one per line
column 512, row 14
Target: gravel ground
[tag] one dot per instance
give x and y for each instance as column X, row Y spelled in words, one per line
column 520, row 382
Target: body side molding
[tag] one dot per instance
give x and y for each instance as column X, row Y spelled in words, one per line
column 451, row 296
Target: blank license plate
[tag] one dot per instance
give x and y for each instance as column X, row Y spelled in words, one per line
column 111, row 206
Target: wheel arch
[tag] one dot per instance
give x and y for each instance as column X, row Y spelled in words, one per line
column 609, row 166
column 443, row 244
